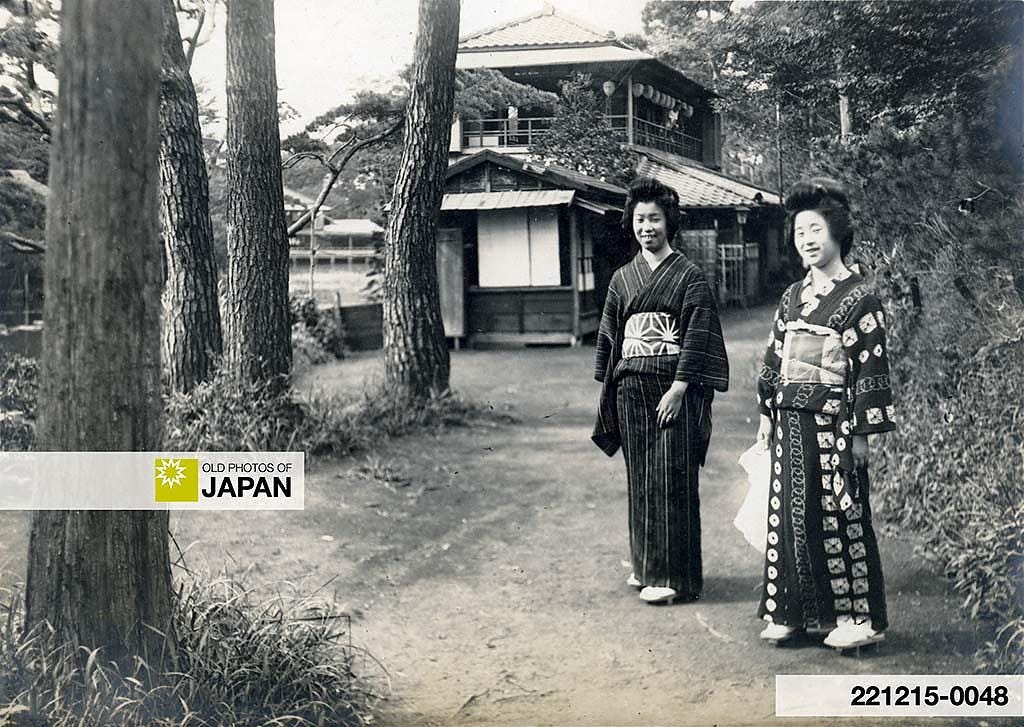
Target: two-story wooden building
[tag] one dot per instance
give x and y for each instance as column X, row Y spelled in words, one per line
column 538, row 247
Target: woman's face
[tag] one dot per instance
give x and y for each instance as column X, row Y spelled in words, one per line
column 650, row 226
column 813, row 240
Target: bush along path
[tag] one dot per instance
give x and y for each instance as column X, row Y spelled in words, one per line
column 485, row 565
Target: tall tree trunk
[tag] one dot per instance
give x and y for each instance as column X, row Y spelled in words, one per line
column 258, row 340
column 98, row 576
column 845, row 124
column 415, row 353
column 191, row 332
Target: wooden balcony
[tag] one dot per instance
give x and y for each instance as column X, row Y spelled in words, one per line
column 522, row 132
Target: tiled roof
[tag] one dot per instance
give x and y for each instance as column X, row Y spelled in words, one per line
column 356, row 227
column 557, row 174
column 700, row 187
column 502, row 58
column 506, row 200
column 543, row 28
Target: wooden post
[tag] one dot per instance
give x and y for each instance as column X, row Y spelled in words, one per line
column 26, row 301
column 574, row 266
column 629, row 109
column 778, row 143
column 312, row 252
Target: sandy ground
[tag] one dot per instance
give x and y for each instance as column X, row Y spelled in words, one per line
column 485, row 566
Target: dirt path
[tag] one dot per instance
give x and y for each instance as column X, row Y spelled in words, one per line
column 486, row 566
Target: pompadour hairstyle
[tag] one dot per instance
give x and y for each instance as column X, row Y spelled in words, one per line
column 647, row 189
column 829, row 199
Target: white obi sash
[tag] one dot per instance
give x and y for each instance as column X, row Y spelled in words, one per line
column 813, row 355
column 650, row 334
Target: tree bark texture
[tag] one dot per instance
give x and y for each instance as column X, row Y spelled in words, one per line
column 191, row 331
column 96, row 577
column 258, row 334
column 416, row 359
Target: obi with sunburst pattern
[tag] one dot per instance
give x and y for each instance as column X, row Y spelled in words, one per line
column 650, row 334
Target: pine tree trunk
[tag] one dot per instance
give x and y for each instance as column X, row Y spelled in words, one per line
column 415, row 352
column 258, row 334
column 96, row 577
column 191, row 332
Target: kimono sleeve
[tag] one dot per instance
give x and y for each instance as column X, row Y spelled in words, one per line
column 771, row 366
column 869, row 390
column 702, row 357
column 608, row 331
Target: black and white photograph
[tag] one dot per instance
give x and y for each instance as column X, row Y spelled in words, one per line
column 416, row 363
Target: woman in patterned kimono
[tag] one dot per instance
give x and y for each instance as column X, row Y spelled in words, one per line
column 823, row 388
column 660, row 355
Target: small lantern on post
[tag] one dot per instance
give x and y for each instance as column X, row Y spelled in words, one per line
column 741, row 220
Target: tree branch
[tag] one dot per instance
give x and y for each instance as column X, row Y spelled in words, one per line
column 193, row 41
column 299, row 156
column 351, row 148
column 25, row 109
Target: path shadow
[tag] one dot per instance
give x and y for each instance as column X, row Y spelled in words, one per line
column 731, row 589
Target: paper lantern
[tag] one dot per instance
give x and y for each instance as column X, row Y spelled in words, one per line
column 608, row 87
column 638, row 89
column 648, row 92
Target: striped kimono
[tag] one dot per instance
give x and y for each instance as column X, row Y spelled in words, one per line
column 659, row 327
column 824, row 379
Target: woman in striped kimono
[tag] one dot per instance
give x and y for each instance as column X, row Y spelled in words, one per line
column 823, row 388
column 660, row 355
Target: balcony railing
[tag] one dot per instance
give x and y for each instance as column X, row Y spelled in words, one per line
column 504, row 132
column 655, row 136
column 495, row 133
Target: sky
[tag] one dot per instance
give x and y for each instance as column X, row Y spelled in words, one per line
column 329, row 49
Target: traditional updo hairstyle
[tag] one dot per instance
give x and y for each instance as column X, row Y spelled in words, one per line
column 648, row 189
column 828, row 198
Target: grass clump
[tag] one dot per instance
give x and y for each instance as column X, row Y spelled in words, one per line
column 19, row 391
column 235, row 661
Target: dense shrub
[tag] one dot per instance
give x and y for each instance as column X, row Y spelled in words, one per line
column 226, row 415
column 230, row 660
column 940, row 228
column 318, row 334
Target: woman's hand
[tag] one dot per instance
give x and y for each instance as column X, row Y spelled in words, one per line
column 764, row 431
column 861, row 451
column 671, row 404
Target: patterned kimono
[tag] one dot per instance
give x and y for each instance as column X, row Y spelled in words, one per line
column 659, row 327
column 825, row 378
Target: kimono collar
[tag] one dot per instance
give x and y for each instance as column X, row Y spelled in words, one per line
column 810, row 300
column 647, row 266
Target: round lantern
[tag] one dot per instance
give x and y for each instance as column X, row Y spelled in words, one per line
column 648, row 92
column 638, row 89
column 608, row 87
